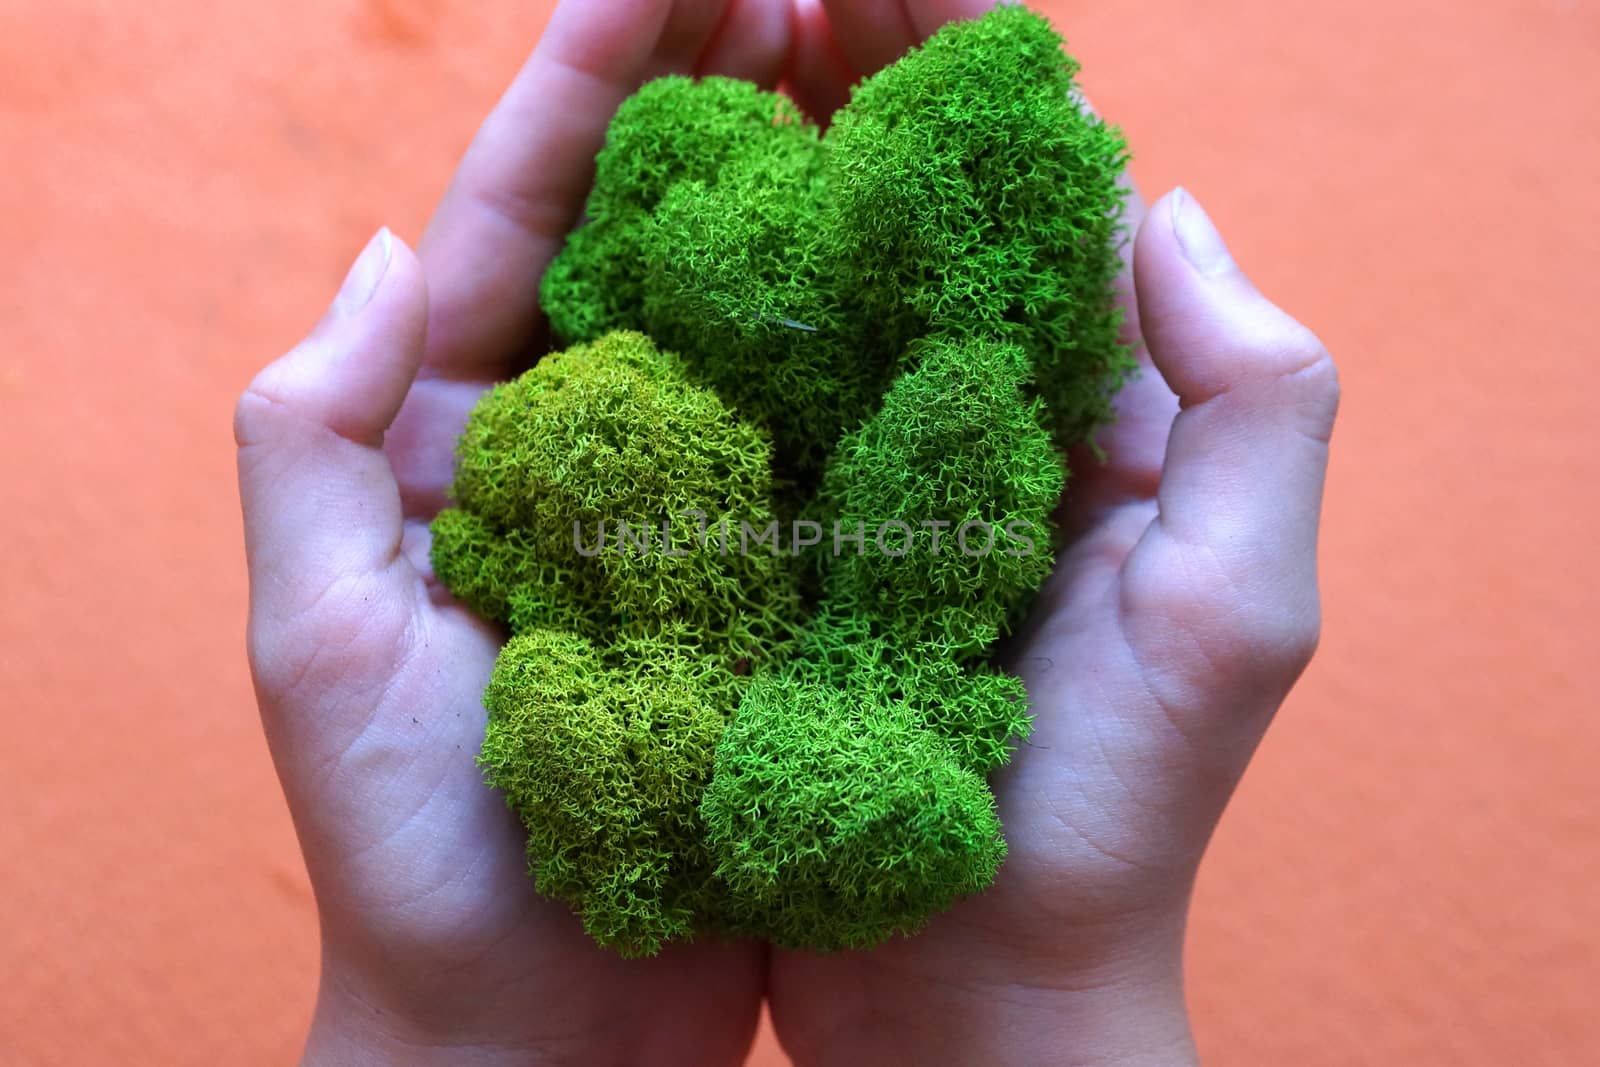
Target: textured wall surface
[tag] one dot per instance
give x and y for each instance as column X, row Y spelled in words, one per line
column 1408, row 874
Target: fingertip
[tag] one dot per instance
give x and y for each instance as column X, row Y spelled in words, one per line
column 1208, row 328
column 819, row 75
column 1197, row 236
column 352, row 372
column 752, row 42
column 689, row 30
column 364, row 278
column 928, row 15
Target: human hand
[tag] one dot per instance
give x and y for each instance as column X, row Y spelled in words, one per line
column 433, row 945
column 1170, row 632
column 370, row 677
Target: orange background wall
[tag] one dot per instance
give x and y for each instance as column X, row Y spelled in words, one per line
column 1409, row 875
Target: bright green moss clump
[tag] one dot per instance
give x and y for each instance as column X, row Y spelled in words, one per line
column 839, row 817
column 605, row 752
column 570, row 480
column 989, row 207
column 962, row 191
column 868, row 348
column 958, row 465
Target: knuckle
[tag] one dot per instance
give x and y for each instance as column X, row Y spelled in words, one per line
column 1265, row 644
column 1288, row 348
column 1301, row 375
column 250, row 413
column 286, row 394
column 1240, row 633
column 262, row 406
column 1296, row 339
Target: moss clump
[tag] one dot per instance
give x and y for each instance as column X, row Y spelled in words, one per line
column 990, row 207
column 628, row 655
column 604, row 752
column 570, row 481
column 662, row 136
column 887, row 333
column 957, row 476
column 840, row 817
column 962, row 190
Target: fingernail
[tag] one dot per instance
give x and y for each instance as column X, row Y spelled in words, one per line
column 1202, row 245
column 367, row 274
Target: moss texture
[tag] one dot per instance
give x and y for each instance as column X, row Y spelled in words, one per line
column 891, row 332
column 628, row 655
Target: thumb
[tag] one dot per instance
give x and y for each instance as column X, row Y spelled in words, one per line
column 322, row 516
column 1224, row 583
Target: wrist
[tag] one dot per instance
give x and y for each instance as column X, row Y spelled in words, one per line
column 1135, row 1022
column 1109, row 1027
column 357, row 1021
column 1094, row 1005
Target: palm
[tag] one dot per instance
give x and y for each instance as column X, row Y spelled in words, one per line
column 1079, row 832
column 429, row 856
column 1143, row 641
column 370, row 677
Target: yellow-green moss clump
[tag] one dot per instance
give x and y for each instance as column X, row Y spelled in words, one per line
column 886, row 336
column 627, row 658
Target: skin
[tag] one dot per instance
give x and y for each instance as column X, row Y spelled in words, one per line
column 1167, row 638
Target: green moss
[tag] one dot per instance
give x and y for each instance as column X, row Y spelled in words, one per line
column 606, row 706
column 838, row 820
column 953, row 480
column 979, row 711
column 672, row 130
column 604, row 754
column 744, row 282
column 891, row 330
column 571, row 479
column 990, row 206
column 961, row 191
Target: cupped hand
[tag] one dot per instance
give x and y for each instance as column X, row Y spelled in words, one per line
column 370, row 678
column 1166, row 639
column 1170, row 633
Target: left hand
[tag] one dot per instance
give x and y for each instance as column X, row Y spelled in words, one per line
column 369, row 678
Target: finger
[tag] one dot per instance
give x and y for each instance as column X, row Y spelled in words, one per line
column 871, row 33
column 874, row 33
column 926, row 16
column 688, row 29
column 320, row 504
column 1241, row 490
column 523, row 181
column 1125, row 465
column 751, row 43
column 819, row 75
column 746, row 39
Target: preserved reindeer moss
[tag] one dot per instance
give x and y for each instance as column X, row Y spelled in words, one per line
column 566, row 479
column 891, row 332
column 841, row 817
column 990, row 206
column 954, row 439
column 606, row 706
column 605, row 753
column 962, row 190
column 665, row 134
